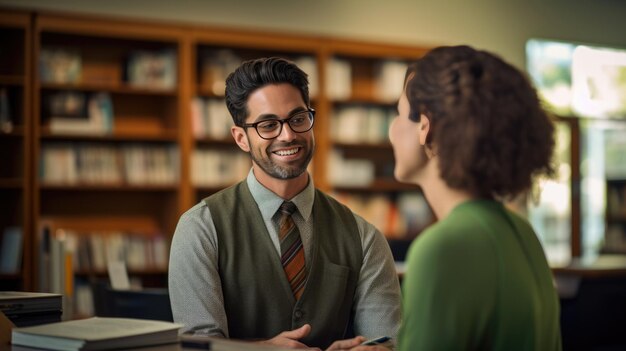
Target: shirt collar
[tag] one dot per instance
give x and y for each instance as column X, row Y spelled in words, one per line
column 268, row 202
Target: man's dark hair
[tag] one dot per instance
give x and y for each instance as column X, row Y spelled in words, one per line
column 488, row 128
column 255, row 74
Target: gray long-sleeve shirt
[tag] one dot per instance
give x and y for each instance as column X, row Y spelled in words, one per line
column 195, row 286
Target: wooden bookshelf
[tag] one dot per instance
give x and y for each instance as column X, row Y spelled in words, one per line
column 16, row 141
column 148, row 116
column 158, row 117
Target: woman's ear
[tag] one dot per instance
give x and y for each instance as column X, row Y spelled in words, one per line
column 239, row 134
column 424, row 129
column 423, row 136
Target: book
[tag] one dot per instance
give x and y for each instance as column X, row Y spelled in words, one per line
column 97, row 333
column 11, row 250
column 80, row 113
column 6, row 124
column 60, row 65
column 14, row 301
column 152, row 70
column 30, row 308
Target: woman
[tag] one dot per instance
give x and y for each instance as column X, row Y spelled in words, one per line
column 471, row 133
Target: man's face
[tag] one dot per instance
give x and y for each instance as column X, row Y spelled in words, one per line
column 288, row 155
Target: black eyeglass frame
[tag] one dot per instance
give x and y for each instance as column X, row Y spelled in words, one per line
column 254, row 125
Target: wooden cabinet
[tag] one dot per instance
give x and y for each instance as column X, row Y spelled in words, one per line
column 15, row 151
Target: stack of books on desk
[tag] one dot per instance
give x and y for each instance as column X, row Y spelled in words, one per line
column 28, row 308
column 97, row 334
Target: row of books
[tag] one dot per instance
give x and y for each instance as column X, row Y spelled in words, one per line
column 92, row 251
column 63, row 253
column 55, row 269
column 216, row 65
column 338, row 79
column 388, row 79
column 210, row 118
column 145, row 69
column 400, row 218
column 66, row 163
column 218, row 167
column 352, row 172
column 361, row 124
column 80, row 113
column 152, row 69
column 60, row 65
column 6, row 122
column 11, row 244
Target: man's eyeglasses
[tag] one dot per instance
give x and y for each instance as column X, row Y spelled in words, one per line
column 299, row 122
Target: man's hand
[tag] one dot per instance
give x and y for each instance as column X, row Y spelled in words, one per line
column 354, row 344
column 290, row 338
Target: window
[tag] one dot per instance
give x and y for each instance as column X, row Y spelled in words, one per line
column 586, row 83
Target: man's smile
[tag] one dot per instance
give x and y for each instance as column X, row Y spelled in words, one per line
column 287, row 152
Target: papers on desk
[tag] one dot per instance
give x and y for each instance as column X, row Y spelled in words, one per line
column 97, row 334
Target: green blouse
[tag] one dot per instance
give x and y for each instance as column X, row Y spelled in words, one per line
column 479, row 280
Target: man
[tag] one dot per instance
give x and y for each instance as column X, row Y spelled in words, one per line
column 272, row 258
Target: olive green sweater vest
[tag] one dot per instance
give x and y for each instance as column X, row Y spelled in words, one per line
column 258, row 300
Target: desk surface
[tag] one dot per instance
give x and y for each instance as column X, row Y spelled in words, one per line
column 602, row 266
column 216, row 345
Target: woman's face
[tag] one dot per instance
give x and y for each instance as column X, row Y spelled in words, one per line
column 404, row 135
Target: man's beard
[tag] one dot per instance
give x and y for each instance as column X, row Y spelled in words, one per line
column 282, row 172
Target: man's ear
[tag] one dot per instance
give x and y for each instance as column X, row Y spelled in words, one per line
column 239, row 134
column 424, row 129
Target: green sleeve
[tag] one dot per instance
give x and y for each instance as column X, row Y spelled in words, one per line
column 448, row 291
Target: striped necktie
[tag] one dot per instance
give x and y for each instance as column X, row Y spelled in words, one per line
column 292, row 252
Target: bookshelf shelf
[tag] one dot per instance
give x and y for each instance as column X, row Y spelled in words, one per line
column 384, row 146
column 216, row 142
column 162, row 136
column 12, row 277
column 211, row 189
column 15, row 79
column 203, row 91
column 379, row 185
column 115, row 88
column 11, row 183
column 132, row 272
column 365, row 100
column 16, row 132
column 119, row 187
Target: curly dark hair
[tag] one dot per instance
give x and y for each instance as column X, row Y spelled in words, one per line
column 255, row 74
column 488, row 128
